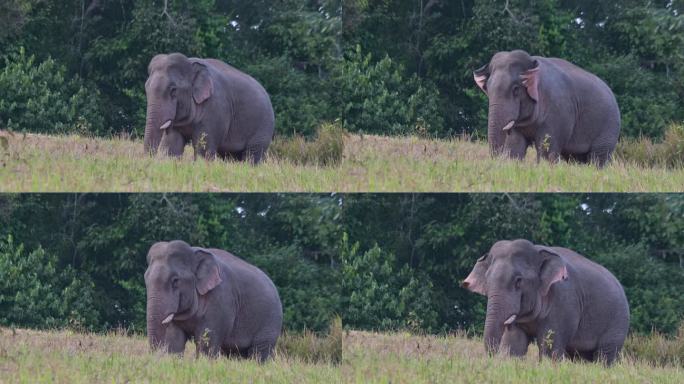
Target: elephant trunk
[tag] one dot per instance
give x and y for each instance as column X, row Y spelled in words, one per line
column 499, row 120
column 152, row 131
column 160, row 116
column 497, row 313
column 155, row 328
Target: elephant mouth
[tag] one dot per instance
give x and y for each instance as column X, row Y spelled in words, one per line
column 166, row 125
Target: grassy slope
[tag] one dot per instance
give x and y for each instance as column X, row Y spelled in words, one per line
column 371, row 163
column 402, row 358
column 67, row 357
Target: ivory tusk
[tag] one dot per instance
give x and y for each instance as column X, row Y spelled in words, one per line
column 510, row 320
column 509, row 125
column 166, row 125
column 168, row 319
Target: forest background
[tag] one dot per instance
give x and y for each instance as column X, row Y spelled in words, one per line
column 377, row 66
column 379, row 261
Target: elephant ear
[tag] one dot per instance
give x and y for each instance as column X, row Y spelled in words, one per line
column 475, row 282
column 552, row 269
column 202, row 86
column 530, row 80
column 206, row 271
column 480, row 76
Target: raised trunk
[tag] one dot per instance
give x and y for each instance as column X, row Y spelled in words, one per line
column 494, row 324
column 152, row 131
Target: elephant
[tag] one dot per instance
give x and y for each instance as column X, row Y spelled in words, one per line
column 227, row 306
column 221, row 110
column 571, row 305
column 565, row 111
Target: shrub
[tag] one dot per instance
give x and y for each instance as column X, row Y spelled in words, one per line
column 656, row 348
column 35, row 292
column 325, row 149
column 645, row 152
column 312, row 348
column 377, row 295
column 380, row 98
column 300, row 101
column 36, row 97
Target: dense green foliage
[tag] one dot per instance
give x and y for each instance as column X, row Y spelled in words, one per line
column 635, row 46
column 389, row 66
column 379, row 261
column 289, row 46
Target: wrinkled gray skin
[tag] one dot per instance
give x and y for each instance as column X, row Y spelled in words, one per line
column 572, row 306
column 565, row 111
column 224, row 304
column 221, row 110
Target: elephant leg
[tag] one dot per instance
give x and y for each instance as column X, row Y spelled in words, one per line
column 514, row 341
column 551, row 344
column 208, row 342
column 516, row 145
column 254, row 153
column 204, row 144
column 606, row 353
column 175, row 339
column 172, row 143
column 600, row 155
column 261, row 351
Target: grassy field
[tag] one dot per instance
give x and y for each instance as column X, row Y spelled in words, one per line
column 404, row 358
column 28, row 356
column 369, row 163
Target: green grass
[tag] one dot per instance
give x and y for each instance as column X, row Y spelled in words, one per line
column 28, row 356
column 405, row 358
column 65, row 356
column 369, row 163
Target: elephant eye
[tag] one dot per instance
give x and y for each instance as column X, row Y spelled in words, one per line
column 516, row 90
column 173, row 92
column 518, row 282
column 174, row 282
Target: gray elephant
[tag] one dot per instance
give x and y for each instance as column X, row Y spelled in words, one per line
column 572, row 306
column 221, row 110
column 224, row 304
column 565, row 111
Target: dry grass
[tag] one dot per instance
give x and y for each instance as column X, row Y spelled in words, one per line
column 668, row 153
column 70, row 357
column 656, row 348
column 369, row 163
column 404, row 358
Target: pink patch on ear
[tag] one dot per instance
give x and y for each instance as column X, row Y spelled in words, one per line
column 481, row 81
column 562, row 274
column 530, row 79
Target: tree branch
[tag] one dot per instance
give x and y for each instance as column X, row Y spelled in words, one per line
column 508, row 10
column 166, row 13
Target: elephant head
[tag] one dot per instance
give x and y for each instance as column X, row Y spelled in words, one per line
column 511, row 82
column 177, row 276
column 175, row 87
column 516, row 276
